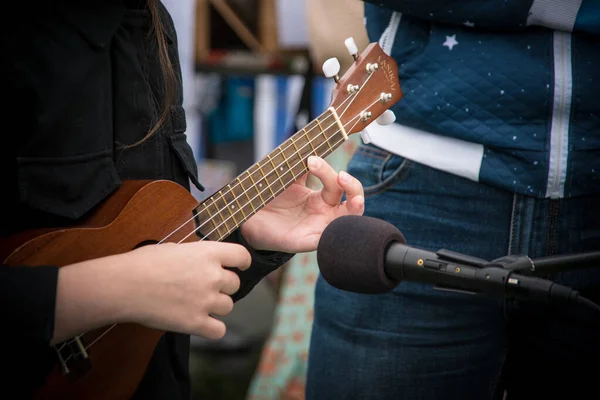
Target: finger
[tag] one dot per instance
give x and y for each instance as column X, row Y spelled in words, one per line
column 232, row 255
column 331, row 192
column 230, row 283
column 350, row 185
column 356, row 205
column 222, row 306
column 212, row 328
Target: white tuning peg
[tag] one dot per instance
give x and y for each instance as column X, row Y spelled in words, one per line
column 364, row 134
column 387, row 118
column 352, row 47
column 331, row 68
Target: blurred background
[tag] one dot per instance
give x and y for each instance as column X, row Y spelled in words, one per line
column 252, row 78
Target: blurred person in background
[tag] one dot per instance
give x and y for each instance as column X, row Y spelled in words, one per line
column 495, row 151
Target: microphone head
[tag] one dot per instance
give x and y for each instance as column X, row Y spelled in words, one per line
column 351, row 254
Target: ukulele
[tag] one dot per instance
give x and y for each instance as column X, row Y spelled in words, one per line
column 109, row 363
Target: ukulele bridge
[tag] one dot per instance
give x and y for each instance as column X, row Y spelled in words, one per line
column 73, row 357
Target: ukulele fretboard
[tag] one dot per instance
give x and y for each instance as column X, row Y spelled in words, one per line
column 222, row 213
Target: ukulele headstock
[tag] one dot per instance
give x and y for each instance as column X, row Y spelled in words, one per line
column 367, row 90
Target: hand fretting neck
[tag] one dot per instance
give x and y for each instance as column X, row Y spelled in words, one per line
column 222, row 213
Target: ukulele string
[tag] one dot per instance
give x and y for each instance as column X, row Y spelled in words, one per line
column 269, row 186
column 240, row 209
column 356, row 94
column 234, row 200
column 114, row 325
column 73, row 340
column 273, row 195
column 231, row 203
column 344, row 126
column 258, row 195
column 239, row 183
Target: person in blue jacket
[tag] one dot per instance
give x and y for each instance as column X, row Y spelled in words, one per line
column 495, row 151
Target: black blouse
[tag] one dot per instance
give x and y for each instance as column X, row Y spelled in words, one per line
column 80, row 78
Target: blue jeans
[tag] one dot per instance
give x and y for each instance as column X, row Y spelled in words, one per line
column 419, row 343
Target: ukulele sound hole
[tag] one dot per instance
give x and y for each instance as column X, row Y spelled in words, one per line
column 145, row 243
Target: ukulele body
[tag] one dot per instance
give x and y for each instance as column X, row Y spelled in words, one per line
column 145, row 212
column 138, row 213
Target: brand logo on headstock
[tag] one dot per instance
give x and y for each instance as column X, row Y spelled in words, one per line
column 390, row 75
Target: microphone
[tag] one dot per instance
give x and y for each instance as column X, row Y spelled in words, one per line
column 367, row 255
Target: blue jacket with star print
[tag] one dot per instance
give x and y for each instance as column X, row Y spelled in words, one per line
column 519, row 78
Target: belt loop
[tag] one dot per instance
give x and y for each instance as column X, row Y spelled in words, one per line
column 521, row 225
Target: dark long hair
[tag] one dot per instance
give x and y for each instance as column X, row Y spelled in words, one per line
column 158, row 36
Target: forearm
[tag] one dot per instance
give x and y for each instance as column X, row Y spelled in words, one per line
column 168, row 287
column 90, row 295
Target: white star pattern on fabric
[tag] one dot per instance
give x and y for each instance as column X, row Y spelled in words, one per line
column 450, row 42
column 469, row 24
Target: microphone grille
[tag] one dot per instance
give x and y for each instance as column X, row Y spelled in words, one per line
column 351, row 254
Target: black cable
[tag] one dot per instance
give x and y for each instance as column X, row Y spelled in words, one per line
column 588, row 303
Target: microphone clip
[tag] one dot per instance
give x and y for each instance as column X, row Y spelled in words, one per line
column 520, row 263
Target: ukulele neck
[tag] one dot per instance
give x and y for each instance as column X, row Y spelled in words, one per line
column 223, row 212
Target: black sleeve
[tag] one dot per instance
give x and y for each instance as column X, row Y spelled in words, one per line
column 27, row 311
column 263, row 263
column 28, row 302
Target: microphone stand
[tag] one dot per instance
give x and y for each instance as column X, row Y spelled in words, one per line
column 525, row 265
column 549, row 264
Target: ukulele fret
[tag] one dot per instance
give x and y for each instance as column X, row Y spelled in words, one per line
column 235, row 198
column 299, row 154
column 290, row 168
column 275, row 169
column 259, row 187
column 309, row 141
column 247, row 196
column 325, row 136
column 295, row 155
column 226, row 209
column 211, row 218
column 264, row 177
column 218, row 213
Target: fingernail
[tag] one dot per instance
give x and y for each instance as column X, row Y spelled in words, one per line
column 313, row 161
column 345, row 177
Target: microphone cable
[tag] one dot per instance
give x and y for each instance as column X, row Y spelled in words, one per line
column 583, row 301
